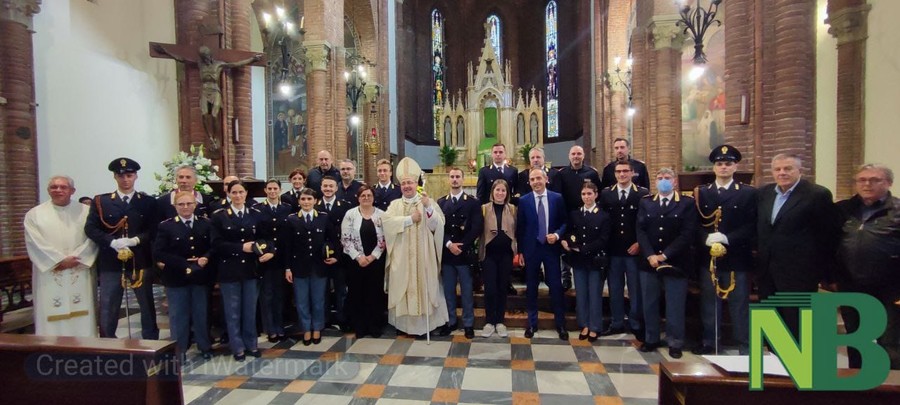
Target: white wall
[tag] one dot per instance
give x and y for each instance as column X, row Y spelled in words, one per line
column 882, row 90
column 426, row 156
column 826, row 101
column 100, row 94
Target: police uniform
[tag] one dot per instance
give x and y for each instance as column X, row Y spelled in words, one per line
column 292, row 199
column 237, row 273
column 112, row 218
column 337, row 273
column 486, row 177
column 384, row 195
column 462, row 224
column 623, row 267
column 348, row 193
column 187, row 283
column 568, row 182
column 310, row 242
column 273, row 228
column 588, row 232
column 639, row 173
column 736, row 219
column 668, row 231
column 165, row 205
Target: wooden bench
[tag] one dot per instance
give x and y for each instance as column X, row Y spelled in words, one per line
column 15, row 294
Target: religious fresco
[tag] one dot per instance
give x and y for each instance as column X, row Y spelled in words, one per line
column 703, row 101
column 552, row 72
column 288, row 146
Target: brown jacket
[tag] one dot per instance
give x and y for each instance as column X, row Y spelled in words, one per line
column 490, row 224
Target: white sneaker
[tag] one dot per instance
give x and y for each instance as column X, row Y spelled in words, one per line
column 487, row 331
column 501, row 330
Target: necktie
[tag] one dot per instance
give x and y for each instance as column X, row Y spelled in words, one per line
column 308, row 218
column 500, row 169
column 721, row 190
column 542, row 220
column 623, row 197
column 188, row 224
column 241, row 214
column 125, row 199
column 665, row 202
column 328, row 207
column 455, row 200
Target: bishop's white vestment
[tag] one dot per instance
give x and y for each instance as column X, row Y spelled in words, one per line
column 63, row 300
column 413, row 264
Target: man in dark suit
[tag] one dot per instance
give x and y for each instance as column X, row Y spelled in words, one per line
column 324, row 169
column 496, row 170
column 348, row 186
column 122, row 225
column 540, row 222
column 798, row 229
column 186, row 180
column 666, row 226
column 621, row 202
column 336, row 209
column 385, row 191
column 728, row 217
column 182, row 249
column 298, row 183
column 621, row 149
column 536, row 161
column 462, row 225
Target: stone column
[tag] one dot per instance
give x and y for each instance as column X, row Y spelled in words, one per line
column 18, row 145
column 665, row 105
column 848, row 21
column 318, row 55
column 339, row 123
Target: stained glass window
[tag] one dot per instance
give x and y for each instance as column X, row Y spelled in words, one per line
column 496, row 37
column 437, row 67
column 552, row 72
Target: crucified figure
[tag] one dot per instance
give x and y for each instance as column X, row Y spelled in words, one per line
column 211, row 93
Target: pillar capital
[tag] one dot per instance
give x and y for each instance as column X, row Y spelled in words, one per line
column 665, row 33
column 20, row 11
column 849, row 24
column 318, row 54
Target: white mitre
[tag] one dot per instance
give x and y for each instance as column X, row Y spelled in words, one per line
column 408, row 168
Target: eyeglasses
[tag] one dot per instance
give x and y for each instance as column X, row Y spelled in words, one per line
column 185, row 205
column 870, row 180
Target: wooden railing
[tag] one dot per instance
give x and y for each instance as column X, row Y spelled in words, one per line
column 15, row 284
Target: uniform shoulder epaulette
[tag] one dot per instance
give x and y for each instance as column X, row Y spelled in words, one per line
column 639, row 161
column 143, row 194
column 636, row 187
column 612, row 187
column 254, row 209
column 653, row 196
column 219, row 209
column 594, row 169
column 175, row 219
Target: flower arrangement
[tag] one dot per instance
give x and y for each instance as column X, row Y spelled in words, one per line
column 205, row 170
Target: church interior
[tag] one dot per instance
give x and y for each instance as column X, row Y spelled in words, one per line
column 86, row 81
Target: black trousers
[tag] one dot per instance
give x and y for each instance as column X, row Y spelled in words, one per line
column 366, row 301
column 495, row 270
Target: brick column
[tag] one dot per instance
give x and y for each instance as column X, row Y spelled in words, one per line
column 187, row 15
column 341, row 105
column 739, row 78
column 241, row 153
column 318, row 55
column 668, row 40
column 18, row 145
column 848, row 20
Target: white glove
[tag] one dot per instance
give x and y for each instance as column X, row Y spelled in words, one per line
column 716, row 237
column 132, row 242
column 118, row 244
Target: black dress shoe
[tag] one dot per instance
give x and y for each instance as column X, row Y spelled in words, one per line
column 592, row 338
column 510, row 290
column 240, row 357
column 272, row 339
column 470, row 333
column 649, row 347
column 703, row 350
column 255, row 353
column 307, row 342
column 529, row 333
column 317, row 340
column 563, row 335
column 444, row 330
column 612, row 331
column 638, row 334
column 583, row 336
column 675, row 352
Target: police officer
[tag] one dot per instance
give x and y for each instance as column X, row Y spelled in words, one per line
column 462, row 225
column 312, row 256
column 186, row 180
column 273, row 214
column 122, row 225
column 621, row 149
column 621, row 202
column 336, row 209
column 569, row 181
column 727, row 211
column 297, row 177
column 182, row 250
column 666, row 226
column 218, row 202
column 498, row 169
column 385, row 190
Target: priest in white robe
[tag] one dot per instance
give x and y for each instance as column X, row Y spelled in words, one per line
column 414, row 231
column 61, row 254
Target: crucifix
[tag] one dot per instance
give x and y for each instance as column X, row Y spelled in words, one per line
column 211, row 63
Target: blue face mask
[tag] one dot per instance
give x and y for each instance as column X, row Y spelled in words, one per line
column 665, row 186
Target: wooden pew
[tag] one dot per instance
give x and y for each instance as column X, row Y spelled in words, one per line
column 45, row 369
column 15, row 287
column 702, row 383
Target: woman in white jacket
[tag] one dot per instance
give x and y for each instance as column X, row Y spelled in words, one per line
column 363, row 239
